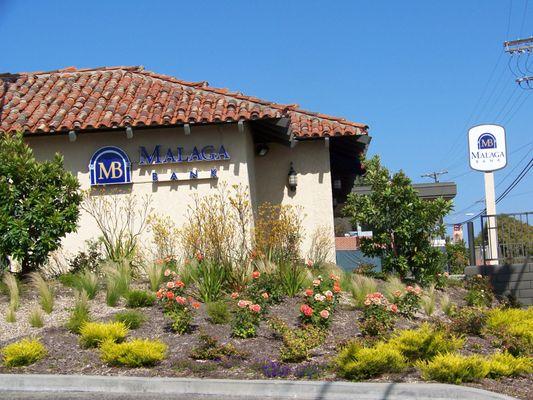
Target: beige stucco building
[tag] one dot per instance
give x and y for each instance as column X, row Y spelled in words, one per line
column 179, row 139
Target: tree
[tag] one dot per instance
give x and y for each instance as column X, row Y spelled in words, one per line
column 515, row 236
column 457, row 256
column 39, row 206
column 402, row 224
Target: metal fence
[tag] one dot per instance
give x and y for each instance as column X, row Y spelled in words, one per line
column 507, row 237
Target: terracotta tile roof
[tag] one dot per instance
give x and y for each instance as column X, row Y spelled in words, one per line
column 346, row 243
column 111, row 97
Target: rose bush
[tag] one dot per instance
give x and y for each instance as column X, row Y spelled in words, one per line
column 408, row 300
column 176, row 303
column 320, row 301
column 246, row 319
column 378, row 315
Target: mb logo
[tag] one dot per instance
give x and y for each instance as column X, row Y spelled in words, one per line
column 110, row 166
column 486, row 141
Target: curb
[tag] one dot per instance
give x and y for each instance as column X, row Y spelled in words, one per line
column 251, row 389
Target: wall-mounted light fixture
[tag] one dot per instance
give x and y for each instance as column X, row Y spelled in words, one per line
column 337, row 184
column 72, row 136
column 262, row 149
column 129, row 132
column 187, row 129
column 293, row 179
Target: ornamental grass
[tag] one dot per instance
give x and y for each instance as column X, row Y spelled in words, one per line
column 135, row 353
column 93, row 334
column 22, row 353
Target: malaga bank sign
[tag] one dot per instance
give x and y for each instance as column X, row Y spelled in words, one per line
column 486, row 148
column 111, row 165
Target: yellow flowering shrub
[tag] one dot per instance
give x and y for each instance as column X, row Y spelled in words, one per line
column 135, row 353
column 23, row 352
column 95, row 333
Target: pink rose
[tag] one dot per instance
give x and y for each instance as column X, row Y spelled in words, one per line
column 235, row 295
column 256, row 308
column 324, row 314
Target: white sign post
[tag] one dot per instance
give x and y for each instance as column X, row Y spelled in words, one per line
column 488, row 153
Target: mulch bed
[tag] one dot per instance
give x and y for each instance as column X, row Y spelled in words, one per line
column 65, row 356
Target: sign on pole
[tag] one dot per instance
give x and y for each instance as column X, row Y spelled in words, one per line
column 486, row 148
column 487, row 152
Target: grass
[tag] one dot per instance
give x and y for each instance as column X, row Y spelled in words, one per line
column 209, row 278
column 80, row 313
column 429, row 300
column 118, row 280
column 132, row 319
column 46, row 294
column 95, row 333
column 11, row 315
column 218, row 312
column 87, row 281
column 393, row 284
column 360, row 286
column 139, row 298
column 13, row 289
column 36, row 318
column 22, row 353
column 446, row 305
column 154, row 272
column 135, row 353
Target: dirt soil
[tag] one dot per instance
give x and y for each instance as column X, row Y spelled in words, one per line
column 65, row 356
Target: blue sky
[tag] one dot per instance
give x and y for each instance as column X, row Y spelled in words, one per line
column 418, row 72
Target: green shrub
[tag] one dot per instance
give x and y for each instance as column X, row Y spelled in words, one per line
column 11, row 315
column 67, row 279
column 297, row 343
column 454, row 368
column 356, row 362
column 469, row 321
column 36, row 318
column 139, row 298
column 209, row 278
column 292, row 277
column 135, row 353
column 479, row 292
column 132, row 319
column 95, row 333
column 425, row 343
column 80, row 313
column 181, row 320
column 13, row 288
column 210, row 349
column 218, row 312
column 514, row 328
column 505, row 364
column 46, row 295
column 361, row 286
column 154, row 272
column 24, row 352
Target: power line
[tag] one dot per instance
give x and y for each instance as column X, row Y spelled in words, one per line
column 508, row 190
column 434, row 175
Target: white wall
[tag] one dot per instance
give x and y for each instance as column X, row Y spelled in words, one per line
column 265, row 176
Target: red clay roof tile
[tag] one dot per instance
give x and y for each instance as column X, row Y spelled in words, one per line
column 110, row 97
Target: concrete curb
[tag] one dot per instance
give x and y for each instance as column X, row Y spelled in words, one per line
column 242, row 388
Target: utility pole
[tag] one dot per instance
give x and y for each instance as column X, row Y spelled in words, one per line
column 434, row 175
column 518, row 48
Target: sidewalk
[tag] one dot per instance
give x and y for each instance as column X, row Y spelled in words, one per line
column 115, row 387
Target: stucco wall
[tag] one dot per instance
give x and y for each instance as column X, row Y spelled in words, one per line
column 313, row 193
column 168, row 198
column 266, row 177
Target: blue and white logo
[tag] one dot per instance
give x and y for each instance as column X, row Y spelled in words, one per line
column 486, row 141
column 110, row 166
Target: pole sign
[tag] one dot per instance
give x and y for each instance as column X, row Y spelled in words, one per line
column 486, row 148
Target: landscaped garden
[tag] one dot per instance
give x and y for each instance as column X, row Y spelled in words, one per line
column 217, row 298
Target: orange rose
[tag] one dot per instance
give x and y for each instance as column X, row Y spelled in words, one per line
column 256, row 274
